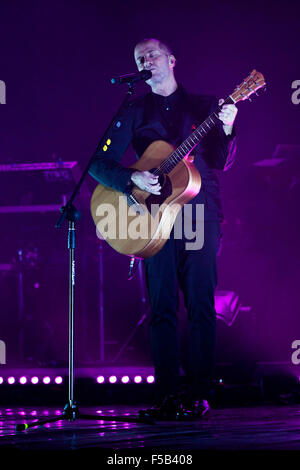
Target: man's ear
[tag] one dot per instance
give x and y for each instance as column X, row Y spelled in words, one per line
column 172, row 60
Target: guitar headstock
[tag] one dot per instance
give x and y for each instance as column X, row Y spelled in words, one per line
column 250, row 85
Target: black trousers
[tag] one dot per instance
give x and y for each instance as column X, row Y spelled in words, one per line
column 195, row 272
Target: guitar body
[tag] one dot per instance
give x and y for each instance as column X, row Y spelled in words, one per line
column 142, row 229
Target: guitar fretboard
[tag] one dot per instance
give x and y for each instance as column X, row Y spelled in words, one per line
column 190, row 143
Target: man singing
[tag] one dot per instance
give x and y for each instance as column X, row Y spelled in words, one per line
column 168, row 112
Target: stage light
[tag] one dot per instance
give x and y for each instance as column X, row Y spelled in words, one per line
column 125, row 379
column 137, row 379
column 1, row 380
column 11, row 380
column 58, row 380
column 34, row 380
column 23, row 380
column 150, row 379
column 46, row 380
column 112, row 379
column 100, row 379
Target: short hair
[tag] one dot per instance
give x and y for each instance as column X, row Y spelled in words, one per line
column 162, row 45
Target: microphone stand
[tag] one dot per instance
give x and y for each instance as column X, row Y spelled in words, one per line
column 71, row 214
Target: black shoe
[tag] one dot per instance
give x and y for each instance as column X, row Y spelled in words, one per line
column 194, row 409
column 166, row 410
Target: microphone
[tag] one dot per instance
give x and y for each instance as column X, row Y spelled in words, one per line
column 132, row 77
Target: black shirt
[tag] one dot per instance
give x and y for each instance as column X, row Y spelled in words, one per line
column 172, row 118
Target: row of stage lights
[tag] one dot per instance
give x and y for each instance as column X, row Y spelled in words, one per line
column 34, row 380
column 125, row 379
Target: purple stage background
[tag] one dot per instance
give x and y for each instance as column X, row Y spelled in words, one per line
column 57, row 58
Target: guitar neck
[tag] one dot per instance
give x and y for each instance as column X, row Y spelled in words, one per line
column 190, row 143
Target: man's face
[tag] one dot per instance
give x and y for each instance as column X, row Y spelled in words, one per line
column 149, row 56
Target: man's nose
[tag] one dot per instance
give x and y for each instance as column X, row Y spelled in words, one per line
column 147, row 63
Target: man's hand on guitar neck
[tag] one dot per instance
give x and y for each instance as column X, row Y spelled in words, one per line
column 146, row 181
column 227, row 116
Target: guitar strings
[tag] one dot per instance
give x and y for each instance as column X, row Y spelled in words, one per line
column 167, row 165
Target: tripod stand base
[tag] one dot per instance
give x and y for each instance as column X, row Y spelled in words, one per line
column 71, row 411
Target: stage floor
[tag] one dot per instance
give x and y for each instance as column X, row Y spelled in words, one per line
column 259, row 427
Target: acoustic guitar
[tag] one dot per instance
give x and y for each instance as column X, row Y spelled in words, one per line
column 139, row 224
